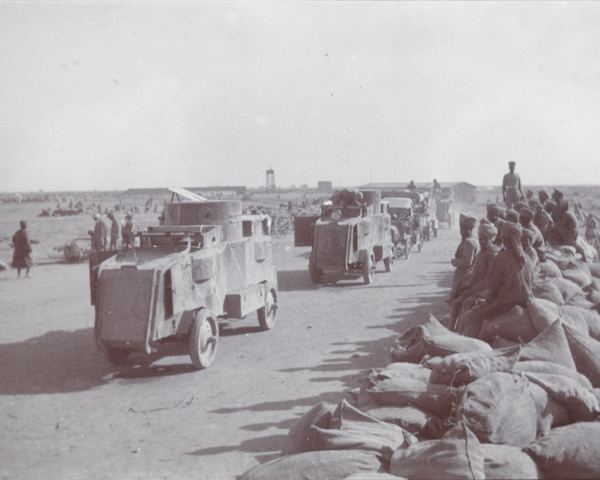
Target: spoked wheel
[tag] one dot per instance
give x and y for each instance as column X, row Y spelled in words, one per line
column 316, row 274
column 267, row 314
column 204, row 338
column 368, row 269
column 389, row 262
column 282, row 225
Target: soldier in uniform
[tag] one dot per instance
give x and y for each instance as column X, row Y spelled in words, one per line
column 465, row 255
column 511, row 187
column 127, row 231
column 98, row 234
column 114, row 232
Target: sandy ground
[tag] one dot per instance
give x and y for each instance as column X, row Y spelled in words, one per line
column 66, row 413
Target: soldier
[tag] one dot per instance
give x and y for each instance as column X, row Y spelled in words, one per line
column 127, row 231
column 22, row 255
column 114, row 232
column 511, row 187
column 98, row 234
column 464, row 256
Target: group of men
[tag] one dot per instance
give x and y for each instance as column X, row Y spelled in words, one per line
column 495, row 271
column 100, row 239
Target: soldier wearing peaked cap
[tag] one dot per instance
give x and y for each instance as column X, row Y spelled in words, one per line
column 465, row 255
column 511, row 187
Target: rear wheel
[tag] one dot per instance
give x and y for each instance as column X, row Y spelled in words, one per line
column 203, row 338
column 267, row 314
column 368, row 269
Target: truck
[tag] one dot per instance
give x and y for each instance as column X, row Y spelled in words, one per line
column 204, row 263
column 350, row 236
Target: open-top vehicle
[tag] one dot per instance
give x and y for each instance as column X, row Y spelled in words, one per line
column 206, row 262
column 351, row 236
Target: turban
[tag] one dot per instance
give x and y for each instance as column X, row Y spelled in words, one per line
column 512, row 215
column 520, row 205
column 95, row 216
column 467, row 222
column 487, row 230
column 23, row 223
column 512, row 232
column 526, row 214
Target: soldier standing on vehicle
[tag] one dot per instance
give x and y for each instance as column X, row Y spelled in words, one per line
column 511, row 187
column 114, row 232
column 98, row 235
column 127, row 231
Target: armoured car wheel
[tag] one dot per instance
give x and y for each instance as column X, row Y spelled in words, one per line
column 267, row 314
column 368, row 269
column 204, row 338
column 389, row 262
column 116, row 356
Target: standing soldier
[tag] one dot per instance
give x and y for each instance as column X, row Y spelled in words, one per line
column 127, row 231
column 114, row 232
column 464, row 257
column 98, row 235
column 511, row 187
column 22, row 255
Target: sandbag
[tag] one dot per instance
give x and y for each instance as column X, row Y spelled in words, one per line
column 405, row 370
column 540, row 366
column 329, row 464
column 551, row 345
column 436, row 399
column 568, row 289
column 581, row 403
column 424, row 344
column 351, row 429
column 300, row 437
column 591, row 318
column 549, row 269
column 569, row 452
column 500, row 342
column 577, row 276
column 432, row 325
column 541, row 314
column 550, row 413
column 594, row 269
column 458, row 455
column 463, row 368
column 547, row 290
column 515, row 325
column 573, row 317
column 415, row 420
column 488, row 407
column 508, row 462
column 586, row 354
column 372, row 476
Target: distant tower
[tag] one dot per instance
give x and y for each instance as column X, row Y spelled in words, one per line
column 271, row 179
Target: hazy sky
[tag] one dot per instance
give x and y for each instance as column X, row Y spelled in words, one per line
column 119, row 95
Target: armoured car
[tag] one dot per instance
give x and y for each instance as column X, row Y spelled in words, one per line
column 350, row 237
column 205, row 262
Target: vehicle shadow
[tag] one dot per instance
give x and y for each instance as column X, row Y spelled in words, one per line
column 294, row 280
column 56, row 362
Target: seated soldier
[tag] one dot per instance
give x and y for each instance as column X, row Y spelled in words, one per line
column 465, row 254
column 537, row 239
column 509, row 283
column 566, row 227
column 527, row 242
column 477, row 284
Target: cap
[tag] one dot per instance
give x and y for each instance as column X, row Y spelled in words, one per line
column 511, row 163
column 23, row 223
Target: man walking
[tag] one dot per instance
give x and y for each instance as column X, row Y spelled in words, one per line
column 511, row 187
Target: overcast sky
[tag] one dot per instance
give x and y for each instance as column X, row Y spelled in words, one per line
column 147, row 94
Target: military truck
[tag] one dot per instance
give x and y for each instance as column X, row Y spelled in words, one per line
column 350, row 237
column 205, row 262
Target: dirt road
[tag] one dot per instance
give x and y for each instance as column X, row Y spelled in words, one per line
column 66, row 413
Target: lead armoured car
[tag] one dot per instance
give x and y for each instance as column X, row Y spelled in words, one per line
column 206, row 262
column 350, row 236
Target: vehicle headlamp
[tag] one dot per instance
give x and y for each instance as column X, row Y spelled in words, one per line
column 336, row 215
